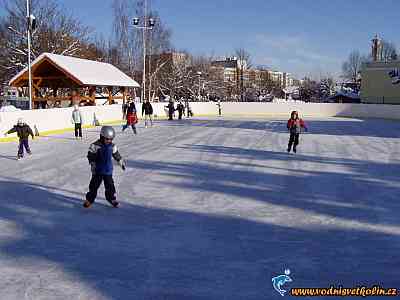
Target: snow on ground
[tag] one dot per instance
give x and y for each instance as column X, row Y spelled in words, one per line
column 211, row 209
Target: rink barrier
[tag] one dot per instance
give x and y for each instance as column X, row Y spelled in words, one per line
column 14, row 138
column 58, row 120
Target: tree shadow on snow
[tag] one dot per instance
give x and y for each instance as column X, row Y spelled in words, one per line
column 350, row 196
column 349, row 127
column 140, row 252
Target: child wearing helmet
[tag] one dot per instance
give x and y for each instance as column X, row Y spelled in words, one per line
column 100, row 156
column 23, row 132
column 294, row 125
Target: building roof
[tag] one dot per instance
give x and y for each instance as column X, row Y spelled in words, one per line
column 84, row 72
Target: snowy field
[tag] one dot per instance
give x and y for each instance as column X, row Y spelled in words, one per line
column 210, row 209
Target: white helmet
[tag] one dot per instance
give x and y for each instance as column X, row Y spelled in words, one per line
column 20, row 121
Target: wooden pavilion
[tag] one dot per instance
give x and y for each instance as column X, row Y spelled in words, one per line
column 52, row 73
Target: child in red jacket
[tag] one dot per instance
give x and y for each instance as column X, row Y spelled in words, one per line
column 294, row 126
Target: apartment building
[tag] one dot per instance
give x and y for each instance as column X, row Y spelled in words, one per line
column 255, row 78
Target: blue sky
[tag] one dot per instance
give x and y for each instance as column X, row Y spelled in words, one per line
column 307, row 37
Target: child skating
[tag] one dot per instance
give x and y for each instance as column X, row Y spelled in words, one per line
column 100, row 157
column 131, row 117
column 294, row 125
column 147, row 109
column 23, row 132
column 77, row 120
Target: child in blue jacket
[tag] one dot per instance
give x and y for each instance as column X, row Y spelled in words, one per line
column 100, row 157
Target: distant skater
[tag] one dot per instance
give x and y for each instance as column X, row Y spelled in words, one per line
column 171, row 109
column 131, row 117
column 23, row 132
column 77, row 120
column 219, row 108
column 181, row 110
column 295, row 125
column 147, row 110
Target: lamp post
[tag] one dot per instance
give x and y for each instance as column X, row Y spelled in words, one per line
column 148, row 25
column 31, row 26
column 199, row 74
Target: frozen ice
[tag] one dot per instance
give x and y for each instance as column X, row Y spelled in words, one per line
column 211, row 208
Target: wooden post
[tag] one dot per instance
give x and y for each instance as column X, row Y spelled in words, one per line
column 55, row 92
column 123, row 95
column 76, row 98
column 110, row 96
column 92, row 95
column 33, row 98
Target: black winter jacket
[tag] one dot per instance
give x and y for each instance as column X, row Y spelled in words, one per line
column 129, row 108
column 147, row 108
column 23, row 131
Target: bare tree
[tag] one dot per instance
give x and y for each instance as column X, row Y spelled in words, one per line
column 244, row 62
column 352, row 67
column 127, row 38
column 57, row 32
column 388, row 51
column 130, row 40
column 175, row 78
column 159, row 42
column 326, row 87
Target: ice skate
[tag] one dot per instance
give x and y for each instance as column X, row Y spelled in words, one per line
column 87, row 204
column 115, row 203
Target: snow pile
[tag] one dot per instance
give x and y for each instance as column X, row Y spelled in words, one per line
column 279, row 100
column 8, row 108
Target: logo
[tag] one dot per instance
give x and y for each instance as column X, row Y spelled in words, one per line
column 279, row 281
column 395, row 75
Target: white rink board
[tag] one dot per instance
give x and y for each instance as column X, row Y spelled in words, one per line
column 60, row 118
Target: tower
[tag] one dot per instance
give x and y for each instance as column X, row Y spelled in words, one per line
column 376, row 45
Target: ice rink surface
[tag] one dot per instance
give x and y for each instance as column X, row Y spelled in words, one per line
column 211, row 208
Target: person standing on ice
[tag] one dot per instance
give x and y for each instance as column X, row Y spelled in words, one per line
column 294, row 125
column 171, row 109
column 181, row 110
column 219, row 107
column 124, row 109
column 77, row 120
column 147, row 110
column 131, row 117
column 23, row 132
column 100, row 157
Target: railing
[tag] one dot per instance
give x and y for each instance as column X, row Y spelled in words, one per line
column 381, row 100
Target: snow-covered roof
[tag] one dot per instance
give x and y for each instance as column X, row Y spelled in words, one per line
column 87, row 72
